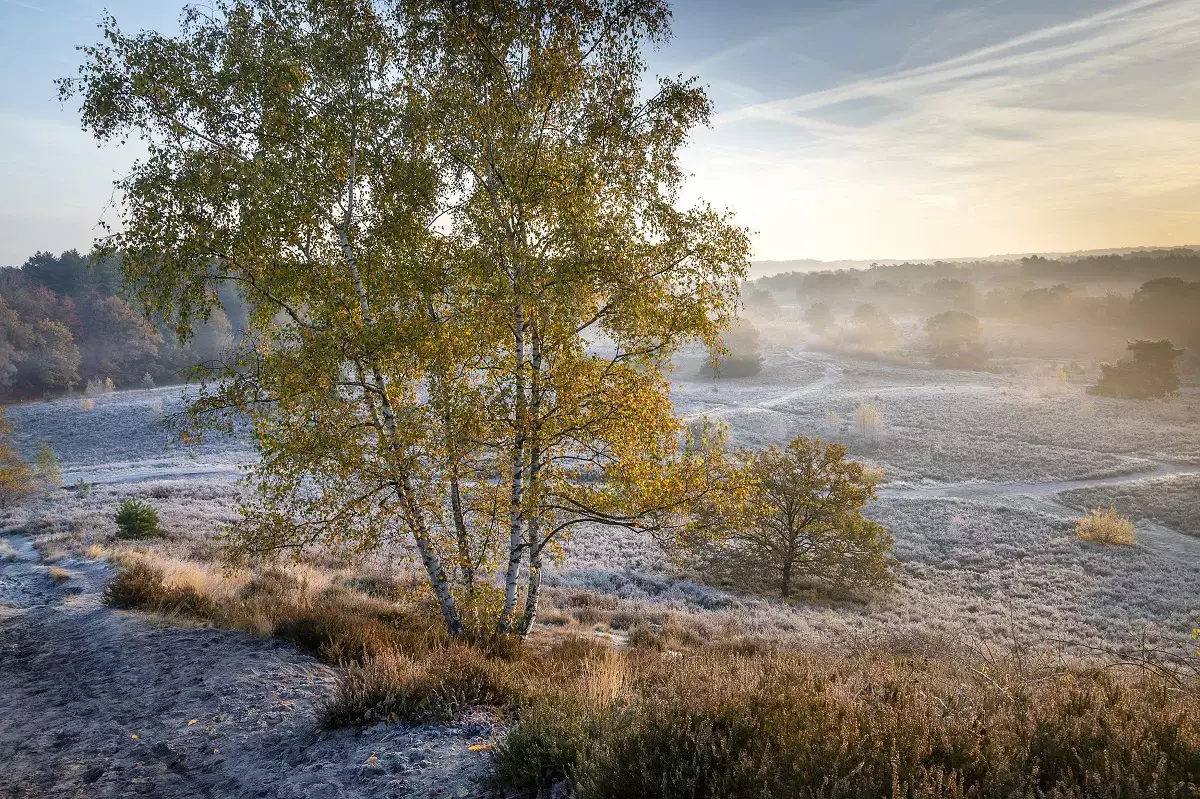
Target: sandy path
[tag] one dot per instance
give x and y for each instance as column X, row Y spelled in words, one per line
column 99, row 703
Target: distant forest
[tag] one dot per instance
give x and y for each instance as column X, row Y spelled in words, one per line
column 1152, row 294
column 68, row 322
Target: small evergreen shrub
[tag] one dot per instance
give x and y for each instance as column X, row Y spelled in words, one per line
column 1106, row 526
column 136, row 519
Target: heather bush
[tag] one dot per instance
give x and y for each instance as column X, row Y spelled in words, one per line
column 136, row 519
column 434, row 685
column 787, row 725
column 1106, row 526
column 140, row 586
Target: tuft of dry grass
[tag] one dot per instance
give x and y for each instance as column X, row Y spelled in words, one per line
column 1101, row 526
column 58, row 574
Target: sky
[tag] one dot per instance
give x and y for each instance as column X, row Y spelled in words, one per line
column 842, row 129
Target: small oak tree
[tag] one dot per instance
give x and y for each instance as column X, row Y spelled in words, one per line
column 1150, row 373
column 459, row 233
column 16, row 478
column 871, row 326
column 818, row 317
column 801, row 521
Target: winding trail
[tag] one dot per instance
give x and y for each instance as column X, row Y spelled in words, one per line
column 1034, row 496
column 101, row 703
column 979, row 490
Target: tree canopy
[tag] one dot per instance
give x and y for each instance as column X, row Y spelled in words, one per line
column 799, row 521
column 459, row 233
column 954, row 341
column 1149, row 373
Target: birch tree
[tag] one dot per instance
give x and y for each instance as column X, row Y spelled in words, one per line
column 459, row 233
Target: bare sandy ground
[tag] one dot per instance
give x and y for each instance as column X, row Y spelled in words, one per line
column 99, row 703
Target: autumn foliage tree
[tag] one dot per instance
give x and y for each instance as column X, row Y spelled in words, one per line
column 16, row 478
column 799, row 521
column 458, row 230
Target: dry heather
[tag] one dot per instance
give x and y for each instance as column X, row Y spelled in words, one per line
column 716, row 724
column 676, row 713
column 1106, row 526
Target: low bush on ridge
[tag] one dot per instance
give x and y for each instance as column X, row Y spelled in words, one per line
column 1101, row 526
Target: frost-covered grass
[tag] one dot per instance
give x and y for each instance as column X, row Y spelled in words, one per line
column 1170, row 501
column 121, row 435
column 968, row 568
column 1017, row 424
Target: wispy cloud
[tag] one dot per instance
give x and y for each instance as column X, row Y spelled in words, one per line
column 1084, row 128
column 1138, row 24
column 23, row 4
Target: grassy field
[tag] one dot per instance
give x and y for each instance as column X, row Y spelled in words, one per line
column 1007, row 565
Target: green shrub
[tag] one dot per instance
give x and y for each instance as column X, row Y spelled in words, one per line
column 547, row 747
column 136, row 519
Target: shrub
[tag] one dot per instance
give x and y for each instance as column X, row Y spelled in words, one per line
column 953, row 341
column 16, row 478
column 868, row 422
column 1149, row 374
column 1101, row 526
column 548, row 747
column 393, row 686
column 140, row 586
column 46, row 470
column 786, row 725
column 136, row 519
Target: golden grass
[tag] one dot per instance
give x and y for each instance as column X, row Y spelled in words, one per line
column 1101, row 526
column 58, row 574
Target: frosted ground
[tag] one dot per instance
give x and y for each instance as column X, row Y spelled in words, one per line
column 986, row 473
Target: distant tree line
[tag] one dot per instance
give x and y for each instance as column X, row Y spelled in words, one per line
column 67, row 321
column 1153, row 295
